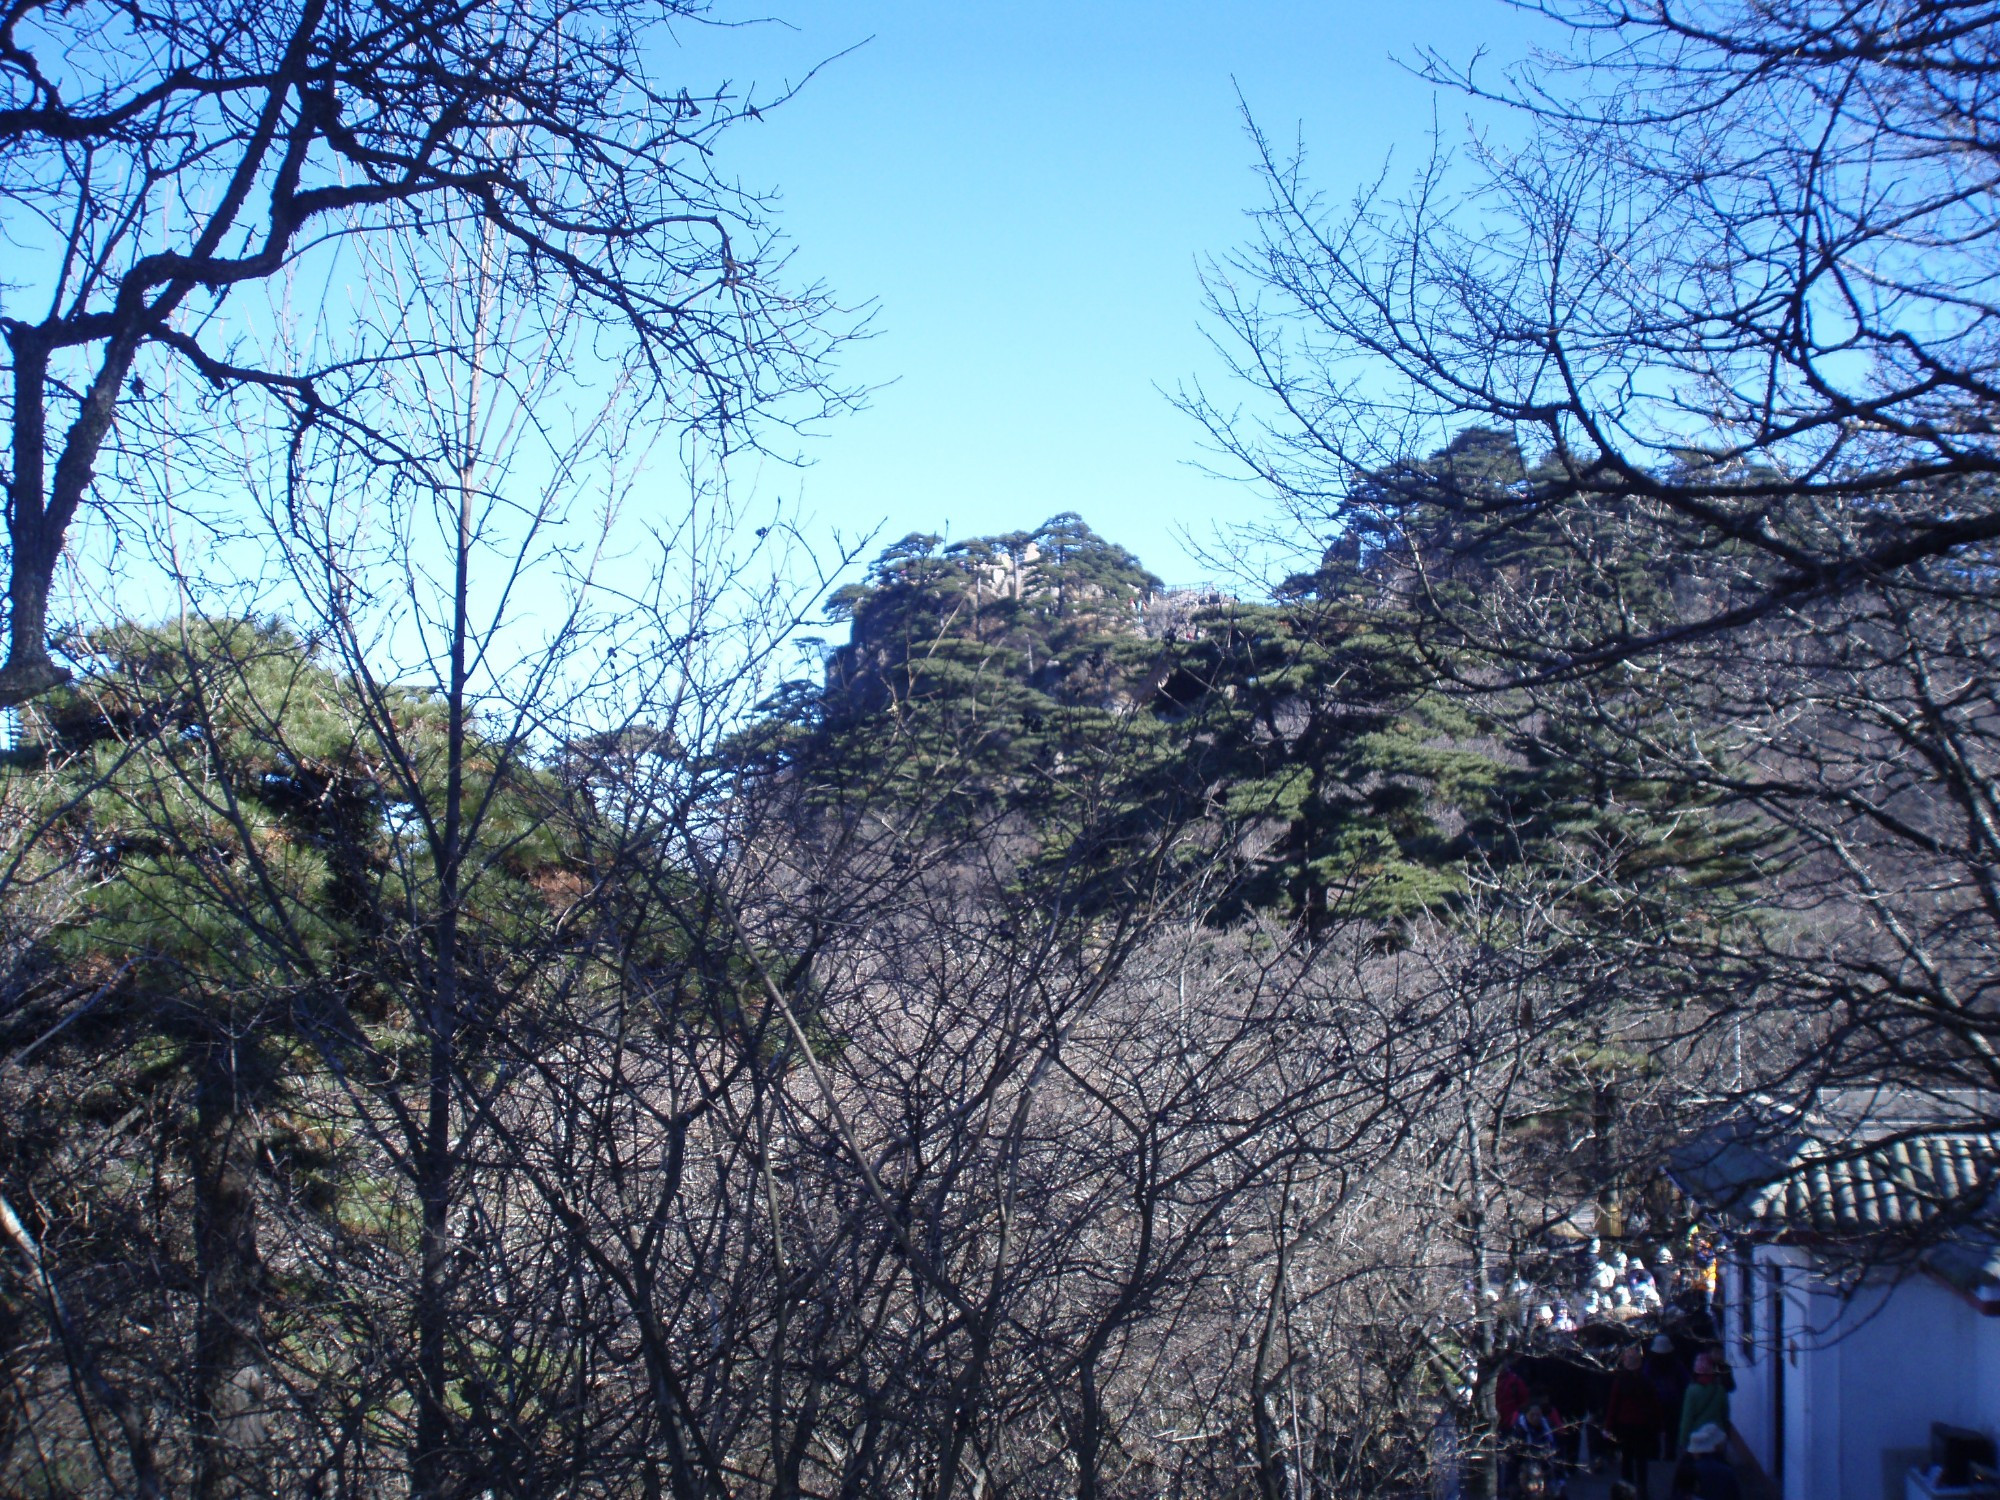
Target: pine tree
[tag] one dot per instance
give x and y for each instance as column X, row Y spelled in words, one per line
column 241, row 957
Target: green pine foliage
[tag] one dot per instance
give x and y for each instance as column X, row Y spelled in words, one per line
column 1324, row 756
column 1551, row 778
column 245, row 812
column 986, row 680
column 1333, row 775
column 241, row 957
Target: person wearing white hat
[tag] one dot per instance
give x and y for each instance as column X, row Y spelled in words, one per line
column 1706, row 1401
column 1705, row 1472
column 1586, row 1260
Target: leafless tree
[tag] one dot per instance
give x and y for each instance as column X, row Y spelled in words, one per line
column 407, row 733
column 173, row 173
column 1759, row 233
column 1728, row 286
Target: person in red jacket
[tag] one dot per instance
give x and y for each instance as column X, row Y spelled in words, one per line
column 1633, row 1417
column 1510, row 1397
column 1669, row 1375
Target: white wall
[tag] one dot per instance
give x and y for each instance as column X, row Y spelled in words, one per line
column 1750, row 1406
column 1819, row 1332
column 1986, row 1376
column 1861, row 1376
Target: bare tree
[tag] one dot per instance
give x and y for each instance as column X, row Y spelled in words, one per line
column 1758, row 233
column 1729, row 290
column 171, row 171
column 335, row 871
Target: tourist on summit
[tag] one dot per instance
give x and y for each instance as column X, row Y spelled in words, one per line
column 1538, row 1436
column 1669, row 1273
column 1645, row 1291
column 1510, row 1396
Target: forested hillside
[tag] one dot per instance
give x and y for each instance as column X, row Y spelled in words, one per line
column 1073, row 948
column 527, row 971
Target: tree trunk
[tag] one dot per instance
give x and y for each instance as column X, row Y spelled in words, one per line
column 28, row 670
column 230, row 1385
column 37, row 519
column 441, row 1016
column 1610, row 1189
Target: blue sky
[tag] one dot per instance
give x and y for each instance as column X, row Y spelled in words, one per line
column 1026, row 190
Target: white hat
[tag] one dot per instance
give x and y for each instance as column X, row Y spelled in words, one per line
column 1707, row 1438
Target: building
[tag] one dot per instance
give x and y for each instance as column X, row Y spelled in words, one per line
column 1861, row 1296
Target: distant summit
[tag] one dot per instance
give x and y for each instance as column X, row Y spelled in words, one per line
column 1056, row 609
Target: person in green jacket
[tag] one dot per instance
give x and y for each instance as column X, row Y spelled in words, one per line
column 1707, row 1398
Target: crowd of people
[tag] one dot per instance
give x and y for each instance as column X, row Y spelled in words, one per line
column 1639, row 1378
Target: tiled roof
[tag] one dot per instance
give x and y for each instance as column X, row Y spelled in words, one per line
column 1859, row 1178
column 1899, row 1184
column 1788, row 1181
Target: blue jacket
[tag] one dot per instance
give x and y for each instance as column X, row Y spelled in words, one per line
column 1714, row 1479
